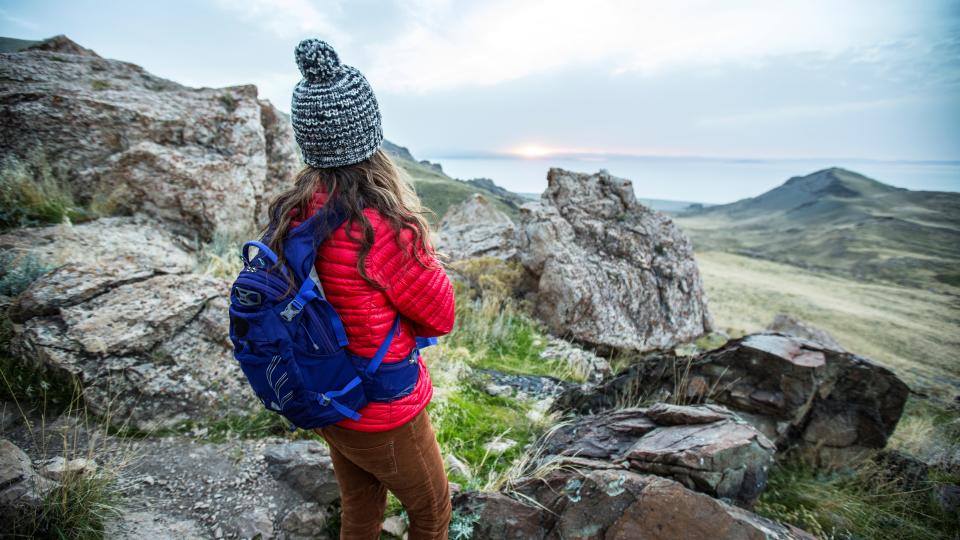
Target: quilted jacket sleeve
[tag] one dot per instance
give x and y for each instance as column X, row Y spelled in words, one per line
column 424, row 295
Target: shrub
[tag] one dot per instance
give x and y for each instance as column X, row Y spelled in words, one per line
column 17, row 272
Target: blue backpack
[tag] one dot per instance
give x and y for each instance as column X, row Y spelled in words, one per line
column 291, row 347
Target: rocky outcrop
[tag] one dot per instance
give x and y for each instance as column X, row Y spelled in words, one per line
column 200, row 160
column 705, row 448
column 476, row 228
column 611, row 272
column 146, row 339
column 832, row 406
column 613, row 504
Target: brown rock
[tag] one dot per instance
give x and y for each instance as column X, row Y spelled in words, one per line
column 831, row 406
column 613, row 505
column 706, row 448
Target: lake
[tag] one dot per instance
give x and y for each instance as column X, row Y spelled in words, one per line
column 707, row 180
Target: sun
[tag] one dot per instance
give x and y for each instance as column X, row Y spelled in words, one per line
column 532, row 151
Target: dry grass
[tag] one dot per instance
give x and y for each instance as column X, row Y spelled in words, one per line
column 912, row 331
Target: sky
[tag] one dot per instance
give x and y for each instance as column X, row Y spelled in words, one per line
column 873, row 79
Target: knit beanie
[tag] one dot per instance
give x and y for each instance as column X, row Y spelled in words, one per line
column 335, row 116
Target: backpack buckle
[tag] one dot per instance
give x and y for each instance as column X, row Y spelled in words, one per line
column 323, row 399
column 292, row 310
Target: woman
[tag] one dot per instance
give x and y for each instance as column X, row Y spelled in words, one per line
column 377, row 265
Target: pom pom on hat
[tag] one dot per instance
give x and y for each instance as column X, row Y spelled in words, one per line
column 317, row 60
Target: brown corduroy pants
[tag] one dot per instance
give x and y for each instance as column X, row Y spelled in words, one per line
column 407, row 461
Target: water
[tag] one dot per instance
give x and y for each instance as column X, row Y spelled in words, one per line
column 706, row 180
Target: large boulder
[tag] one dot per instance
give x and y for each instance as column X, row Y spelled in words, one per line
column 830, row 406
column 706, row 448
column 476, row 228
column 201, row 160
column 146, row 339
column 791, row 326
column 611, row 272
column 613, row 504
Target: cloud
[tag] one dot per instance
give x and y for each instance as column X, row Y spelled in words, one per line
column 441, row 45
column 291, row 19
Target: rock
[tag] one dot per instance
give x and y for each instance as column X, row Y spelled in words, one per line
column 148, row 351
column 58, row 468
column 255, row 523
column 395, row 526
column 499, row 446
column 831, row 406
column 903, row 469
column 947, row 497
column 476, row 228
column 306, row 467
column 706, row 448
column 486, row 515
column 118, row 250
column 22, row 490
column 200, row 160
column 611, row 272
column 150, row 525
column 614, row 505
column 306, row 521
column 591, row 367
column 785, row 324
column 526, row 387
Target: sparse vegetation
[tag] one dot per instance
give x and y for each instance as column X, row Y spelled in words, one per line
column 854, row 503
column 31, row 194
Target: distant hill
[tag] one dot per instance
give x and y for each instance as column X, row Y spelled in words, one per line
column 13, row 44
column 841, row 221
column 438, row 191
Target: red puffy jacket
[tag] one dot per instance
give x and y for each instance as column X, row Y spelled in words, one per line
column 423, row 296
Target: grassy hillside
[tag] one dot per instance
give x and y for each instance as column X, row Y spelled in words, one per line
column 438, row 191
column 912, row 331
column 843, row 222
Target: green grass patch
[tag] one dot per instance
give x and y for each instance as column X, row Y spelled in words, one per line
column 469, row 418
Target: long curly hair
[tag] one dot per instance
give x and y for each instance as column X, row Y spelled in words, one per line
column 376, row 183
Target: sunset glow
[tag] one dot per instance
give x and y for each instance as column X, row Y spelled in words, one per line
column 533, row 151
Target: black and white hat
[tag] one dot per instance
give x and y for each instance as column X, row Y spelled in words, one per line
column 335, row 116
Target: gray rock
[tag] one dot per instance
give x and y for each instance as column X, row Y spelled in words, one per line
column 611, row 272
column 150, row 525
column 614, row 505
column 58, row 468
column 706, row 448
column 591, row 367
column 476, row 228
column 785, row 324
column 394, row 526
column 525, row 387
column 200, row 160
column 306, row 467
column 830, row 406
column 307, row 521
column 22, row 490
column 150, row 351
